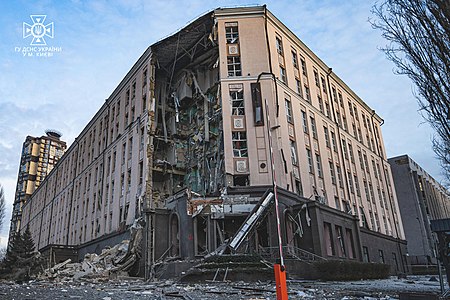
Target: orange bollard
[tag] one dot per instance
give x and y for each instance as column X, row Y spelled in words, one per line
column 280, row 281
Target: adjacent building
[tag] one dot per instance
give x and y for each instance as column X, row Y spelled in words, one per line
column 421, row 199
column 185, row 141
column 39, row 156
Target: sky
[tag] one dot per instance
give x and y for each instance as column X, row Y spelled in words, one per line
column 96, row 42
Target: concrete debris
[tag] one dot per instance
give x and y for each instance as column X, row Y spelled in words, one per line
column 112, row 262
column 138, row 289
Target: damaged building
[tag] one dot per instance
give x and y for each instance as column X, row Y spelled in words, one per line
column 183, row 141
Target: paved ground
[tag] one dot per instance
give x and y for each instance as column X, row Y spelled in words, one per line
column 137, row 289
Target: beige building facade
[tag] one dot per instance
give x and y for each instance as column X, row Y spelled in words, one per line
column 39, row 156
column 192, row 118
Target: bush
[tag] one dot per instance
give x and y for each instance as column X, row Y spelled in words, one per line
column 350, row 270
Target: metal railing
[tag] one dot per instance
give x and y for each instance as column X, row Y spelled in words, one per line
column 290, row 252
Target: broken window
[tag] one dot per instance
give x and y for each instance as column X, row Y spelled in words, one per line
column 237, row 103
column 231, row 32
column 239, row 144
column 288, row 110
column 234, row 66
column 257, row 104
column 305, row 122
column 328, row 239
column 294, row 153
column 340, row 240
column 241, row 180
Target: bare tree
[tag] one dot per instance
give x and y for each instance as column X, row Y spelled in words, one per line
column 2, row 207
column 418, row 32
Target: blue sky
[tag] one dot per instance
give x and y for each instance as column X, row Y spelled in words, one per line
column 101, row 40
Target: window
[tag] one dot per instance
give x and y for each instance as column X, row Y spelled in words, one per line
column 288, row 110
column 294, row 59
column 381, row 256
column 130, row 148
column 237, row 103
column 339, row 175
column 324, row 87
column 279, row 45
column 310, row 161
column 319, row 166
column 344, row 122
column 307, row 94
column 355, row 179
column 319, row 100
column 333, row 141
column 350, row 152
column 333, row 176
column 327, row 109
column 350, row 108
column 344, row 149
column 350, row 182
column 305, row 122
column 257, row 103
column 282, row 74
column 333, row 91
column 124, row 146
column 316, row 78
column 302, row 61
column 231, row 33
column 313, row 127
column 239, row 140
column 366, row 254
column 298, row 83
column 337, row 203
column 341, row 101
column 234, row 66
column 327, row 137
column 294, row 153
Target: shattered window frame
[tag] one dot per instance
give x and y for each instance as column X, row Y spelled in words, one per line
column 234, row 66
column 237, row 103
column 239, row 140
column 232, row 33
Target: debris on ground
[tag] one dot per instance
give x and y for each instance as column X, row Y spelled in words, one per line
column 111, row 263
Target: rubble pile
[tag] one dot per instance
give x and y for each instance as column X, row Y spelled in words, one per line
column 93, row 266
column 109, row 264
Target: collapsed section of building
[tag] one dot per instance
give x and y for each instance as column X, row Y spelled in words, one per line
column 183, row 142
